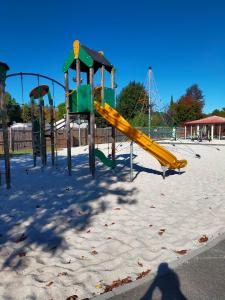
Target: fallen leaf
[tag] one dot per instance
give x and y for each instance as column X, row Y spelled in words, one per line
column 21, row 254
column 117, row 208
column 117, row 283
column 203, row 239
column 73, row 297
column 88, row 231
column 162, row 194
column 50, row 283
column 161, row 231
column 98, row 286
column 106, row 225
column 152, row 206
column 150, row 225
column 181, row 252
column 94, row 252
column 109, row 238
column 143, row 274
column 62, row 274
column 112, row 223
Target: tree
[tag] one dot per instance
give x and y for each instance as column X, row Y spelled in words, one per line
column 132, row 100
column 13, row 109
column 188, row 107
column 196, row 94
column 217, row 112
column 61, row 110
column 26, row 113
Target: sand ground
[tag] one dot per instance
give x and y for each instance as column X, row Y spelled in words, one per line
column 62, row 236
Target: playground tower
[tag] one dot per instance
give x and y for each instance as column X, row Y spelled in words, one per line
column 81, row 99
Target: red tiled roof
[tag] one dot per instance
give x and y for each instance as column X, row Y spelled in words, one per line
column 208, row 120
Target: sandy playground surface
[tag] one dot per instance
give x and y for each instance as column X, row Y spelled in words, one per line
column 63, row 236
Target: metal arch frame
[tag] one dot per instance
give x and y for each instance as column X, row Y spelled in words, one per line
column 37, row 75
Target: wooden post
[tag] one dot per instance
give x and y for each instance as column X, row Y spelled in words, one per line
column 92, row 124
column 78, row 72
column 3, row 70
column 33, row 133
column 102, row 84
column 185, row 132
column 42, row 132
column 113, row 128
column 52, row 135
column 69, row 165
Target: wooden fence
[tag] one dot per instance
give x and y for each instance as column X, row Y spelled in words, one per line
column 20, row 140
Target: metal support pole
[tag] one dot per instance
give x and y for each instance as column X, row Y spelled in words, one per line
column 149, row 100
column 69, row 164
column 3, row 113
column 131, row 160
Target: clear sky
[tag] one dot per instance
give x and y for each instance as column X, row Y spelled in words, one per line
column 183, row 41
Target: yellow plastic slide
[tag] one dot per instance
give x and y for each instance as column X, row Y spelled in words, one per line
column 165, row 158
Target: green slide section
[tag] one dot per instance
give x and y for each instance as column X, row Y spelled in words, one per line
column 106, row 161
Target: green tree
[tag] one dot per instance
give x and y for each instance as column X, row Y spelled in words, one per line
column 217, row 112
column 61, row 110
column 26, row 113
column 13, row 109
column 132, row 100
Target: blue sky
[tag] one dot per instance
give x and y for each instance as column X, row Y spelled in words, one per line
column 184, row 42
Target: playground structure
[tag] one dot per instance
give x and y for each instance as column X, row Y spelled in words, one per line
column 81, row 99
column 39, row 133
column 84, row 100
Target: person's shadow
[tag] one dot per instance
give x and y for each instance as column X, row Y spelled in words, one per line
column 167, row 282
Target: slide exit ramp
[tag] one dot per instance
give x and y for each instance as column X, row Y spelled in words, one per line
column 165, row 158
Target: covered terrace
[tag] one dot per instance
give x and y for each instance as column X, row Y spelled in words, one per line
column 207, row 128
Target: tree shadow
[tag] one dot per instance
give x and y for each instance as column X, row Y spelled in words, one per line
column 165, row 286
column 44, row 204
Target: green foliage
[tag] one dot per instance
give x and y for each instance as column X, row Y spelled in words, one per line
column 61, row 110
column 140, row 120
column 217, row 112
column 132, row 99
column 26, row 113
column 13, row 109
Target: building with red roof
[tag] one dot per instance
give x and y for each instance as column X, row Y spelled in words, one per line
column 206, row 128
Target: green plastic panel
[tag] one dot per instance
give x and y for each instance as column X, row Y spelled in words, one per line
column 85, row 58
column 84, row 98
column 109, row 97
column 68, row 62
column 80, row 100
column 73, row 101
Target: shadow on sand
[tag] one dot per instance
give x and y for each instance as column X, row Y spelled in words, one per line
column 44, row 204
column 165, row 286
